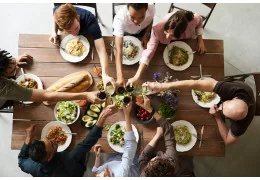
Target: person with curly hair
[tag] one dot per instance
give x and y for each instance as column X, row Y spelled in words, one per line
column 10, row 91
column 162, row 164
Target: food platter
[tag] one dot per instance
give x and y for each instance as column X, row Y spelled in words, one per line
column 29, row 76
column 192, row 131
column 74, row 58
column 215, row 100
column 132, row 44
column 64, row 127
column 122, row 124
column 182, row 47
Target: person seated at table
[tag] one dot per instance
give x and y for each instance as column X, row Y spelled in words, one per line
column 237, row 103
column 174, row 26
column 162, row 164
column 120, row 165
column 11, row 91
column 77, row 21
column 40, row 157
column 135, row 19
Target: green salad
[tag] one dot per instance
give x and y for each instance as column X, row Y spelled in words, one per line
column 178, row 56
column 117, row 135
column 182, row 135
column 67, row 111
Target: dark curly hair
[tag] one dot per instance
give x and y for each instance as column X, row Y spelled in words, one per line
column 178, row 22
column 5, row 59
column 160, row 167
column 137, row 6
column 37, row 151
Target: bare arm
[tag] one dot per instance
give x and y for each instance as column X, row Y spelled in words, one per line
column 225, row 133
column 202, row 85
column 118, row 57
column 42, row 95
column 102, row 53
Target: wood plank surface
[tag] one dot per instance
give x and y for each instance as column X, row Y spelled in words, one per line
column 50, row 66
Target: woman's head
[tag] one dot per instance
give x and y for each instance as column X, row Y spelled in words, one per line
column 177, row 23
column 42, row 150
column 7, row 64
column 67, row 19
column 159, row 167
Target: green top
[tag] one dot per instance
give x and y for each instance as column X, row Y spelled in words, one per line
column 9, row 90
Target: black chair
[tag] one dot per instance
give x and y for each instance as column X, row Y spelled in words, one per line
column 8, row 109
column 92, row 5
column 114, row 7
column 211, row 6
column 242, row 78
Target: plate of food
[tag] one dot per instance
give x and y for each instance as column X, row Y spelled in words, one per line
column 205, row 99
column 57, row 132
column 115, row 136
column 92, row 114
column 178, row 55
column 29, row 81
column 185, row 135
column 67, row 112
column 74, row 48
column 132, row 50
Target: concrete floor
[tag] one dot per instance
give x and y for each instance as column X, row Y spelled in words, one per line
column 236, row 24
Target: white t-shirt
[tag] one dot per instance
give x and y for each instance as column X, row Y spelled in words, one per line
column 122, row 21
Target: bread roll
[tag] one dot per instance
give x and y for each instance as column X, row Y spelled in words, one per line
column 75, row 82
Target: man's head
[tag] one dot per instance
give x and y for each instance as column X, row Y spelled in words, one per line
column 42, row 150
column 159, row 167
column 7, row 64
column 137, row 12
column 67, row 19
column 235, row 109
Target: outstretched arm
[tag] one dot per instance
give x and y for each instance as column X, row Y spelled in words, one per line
column 203, row 85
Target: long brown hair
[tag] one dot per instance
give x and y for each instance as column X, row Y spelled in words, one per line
column 178, row 22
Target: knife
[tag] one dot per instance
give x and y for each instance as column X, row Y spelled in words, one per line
column 201, row 76
column 201, row 134
column 92, row 54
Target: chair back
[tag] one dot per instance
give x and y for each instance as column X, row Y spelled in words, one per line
column 211, row 6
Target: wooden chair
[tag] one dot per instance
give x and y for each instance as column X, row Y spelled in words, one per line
column 91, row 5
column 211, row 6
column 242, row 77
column 114, row 7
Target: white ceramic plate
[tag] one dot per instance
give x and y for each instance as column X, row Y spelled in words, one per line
column 214, row 101
column 138, row 43
column 56, row 117
column 64, row 127
column 189, row 146
column 31, row 76
column 74, row 59
column 118, row 148
column 179, row 44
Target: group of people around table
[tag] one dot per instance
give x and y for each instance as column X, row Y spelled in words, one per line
column 40, row 157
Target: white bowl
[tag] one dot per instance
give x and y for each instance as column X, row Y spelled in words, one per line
column 67, row 123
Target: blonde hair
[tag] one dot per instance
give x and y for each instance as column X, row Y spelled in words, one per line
column 64, row 16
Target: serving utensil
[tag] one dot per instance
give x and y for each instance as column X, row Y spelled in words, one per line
column 69, row 133
column 201, row 135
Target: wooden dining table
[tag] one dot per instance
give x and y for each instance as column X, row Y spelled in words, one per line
column 49, row 66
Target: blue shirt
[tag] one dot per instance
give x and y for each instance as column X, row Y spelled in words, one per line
column 64, row 163
column 88, row 23
column 125, row 166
